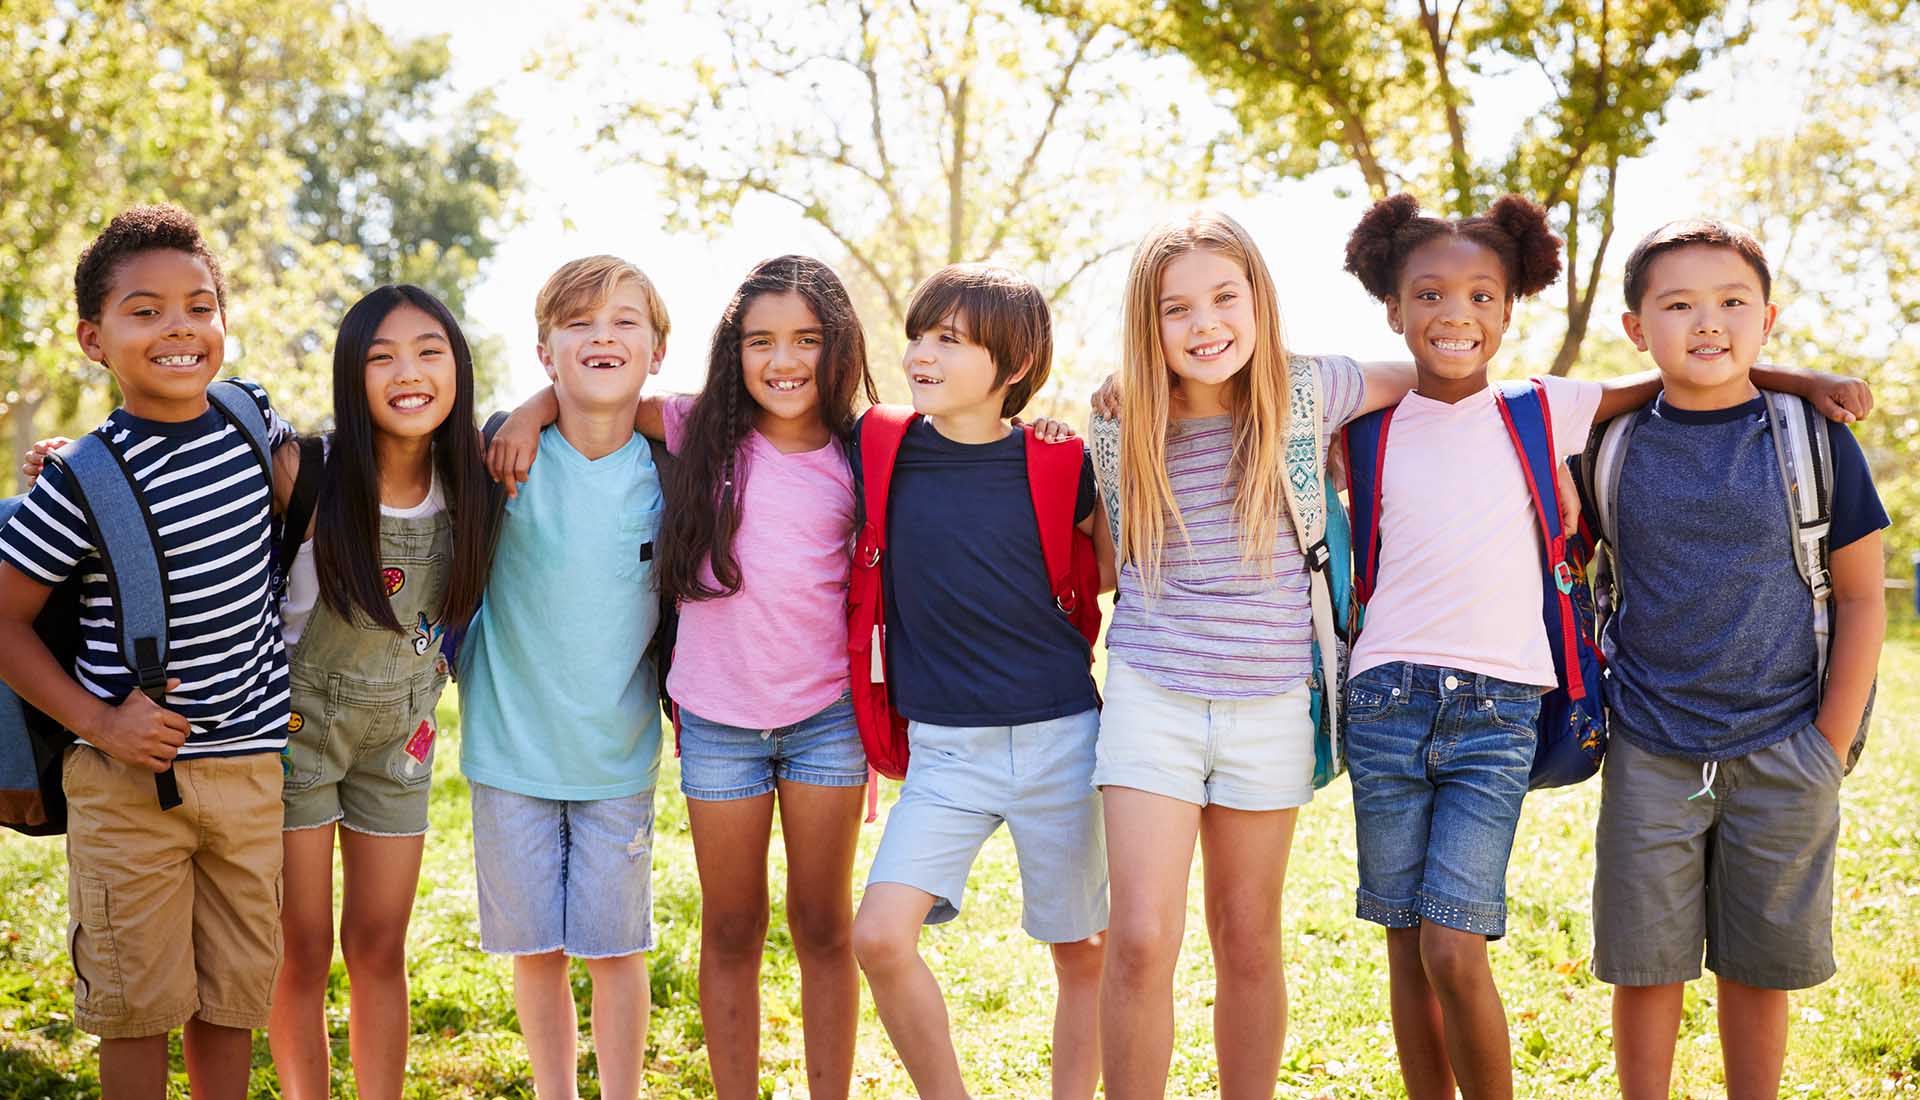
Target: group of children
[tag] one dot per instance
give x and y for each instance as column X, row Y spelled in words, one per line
column 303, row 701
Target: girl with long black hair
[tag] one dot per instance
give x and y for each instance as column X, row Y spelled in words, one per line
column 396, row 554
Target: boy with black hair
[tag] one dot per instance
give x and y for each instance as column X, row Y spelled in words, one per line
column 992, row 677
column 1720, row 808
column 175, row 912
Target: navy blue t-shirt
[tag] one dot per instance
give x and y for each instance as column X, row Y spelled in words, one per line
column 1712, row 648
column 973, row 636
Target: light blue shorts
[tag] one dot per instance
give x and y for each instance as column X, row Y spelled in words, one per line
column 564, row 876
column 963, row 781
column 720, row 762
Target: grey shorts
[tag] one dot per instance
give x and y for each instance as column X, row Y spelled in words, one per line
column 1747, row 872
column 963, row 781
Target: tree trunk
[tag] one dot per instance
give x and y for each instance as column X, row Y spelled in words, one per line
column 20, row 417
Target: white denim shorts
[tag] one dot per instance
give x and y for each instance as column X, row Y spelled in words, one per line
column 1244, row 754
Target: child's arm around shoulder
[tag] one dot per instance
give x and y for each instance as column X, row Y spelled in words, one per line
column 1835, row 396
column 510, row 456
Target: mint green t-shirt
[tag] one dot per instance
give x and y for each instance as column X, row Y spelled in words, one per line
column 557, row 694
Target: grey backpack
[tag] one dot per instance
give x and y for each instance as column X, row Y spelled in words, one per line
column 32, row 743
column 1805, row 457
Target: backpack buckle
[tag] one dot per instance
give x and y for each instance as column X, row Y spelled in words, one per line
column 1563, row 576
column 1067, row 603
column 1318, row 556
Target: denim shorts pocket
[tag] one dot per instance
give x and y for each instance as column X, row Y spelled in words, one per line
column 1370, row 697
column 309, row 730
column 1520, row 717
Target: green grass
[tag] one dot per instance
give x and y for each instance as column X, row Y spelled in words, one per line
column 1856, row 1036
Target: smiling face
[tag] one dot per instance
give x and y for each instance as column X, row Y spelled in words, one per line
column 950, row 374
column 600, row 357
column 1205, row 306
column 780, row 345
column 161, row 332
column 411, row 377
column 1453, row 308
column 1704, row 317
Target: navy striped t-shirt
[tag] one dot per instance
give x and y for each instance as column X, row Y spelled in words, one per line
column 211, row 505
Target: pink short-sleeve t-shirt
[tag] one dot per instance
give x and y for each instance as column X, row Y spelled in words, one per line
column 774, row 652
column 1459, row 576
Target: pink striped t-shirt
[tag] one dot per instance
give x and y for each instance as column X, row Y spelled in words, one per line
column 1220, row 627
column 1459, row 576
column 775, row 651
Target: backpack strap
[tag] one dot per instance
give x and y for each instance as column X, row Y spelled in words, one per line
column 1053, row 479
column 882, row 430
column 243, row 412
column 1602, row 462
column 300, row 508
column 1103, row 442
column 1529, row 420
column 1366, row 442
column 129, row 546
column 1805, row 456
column 1304, row 480
column 492, row 427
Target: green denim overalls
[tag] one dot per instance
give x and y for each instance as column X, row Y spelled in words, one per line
column 360, row 742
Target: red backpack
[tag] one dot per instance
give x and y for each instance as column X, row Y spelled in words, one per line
column 1053, row 477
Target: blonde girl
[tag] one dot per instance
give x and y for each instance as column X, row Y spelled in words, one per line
column 1205, row 733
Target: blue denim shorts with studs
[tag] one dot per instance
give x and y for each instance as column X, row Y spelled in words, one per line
column 719, row 763
column 1439, row 759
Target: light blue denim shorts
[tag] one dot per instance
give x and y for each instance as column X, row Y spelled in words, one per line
column 1440, row 760
column 963, row 781
column 564, row 876
column 720, row 762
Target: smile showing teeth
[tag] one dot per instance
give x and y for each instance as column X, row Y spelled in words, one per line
column 785, row 385
column 1207, row 351
column 177, row 360
column 925, row 380
column 410, row 401
column 1710, row 349
column 603, row 362
column 1456, row 345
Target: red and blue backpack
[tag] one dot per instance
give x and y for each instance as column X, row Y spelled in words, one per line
column 1572, row 723
column 1053, row 479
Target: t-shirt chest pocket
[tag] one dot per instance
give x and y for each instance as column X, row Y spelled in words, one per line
column 637, row 547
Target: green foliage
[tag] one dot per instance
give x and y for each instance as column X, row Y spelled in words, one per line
column 1835, row 196
column 320, row 156
column 1852, row 1037
column 1392, row 89
column 907, row 135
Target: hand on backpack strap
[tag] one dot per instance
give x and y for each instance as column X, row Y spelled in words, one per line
column 141, row 732
column 1047, row 429
column 510, row 455
column 36, row 458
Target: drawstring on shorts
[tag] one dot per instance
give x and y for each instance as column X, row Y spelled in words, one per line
column 1709, row 771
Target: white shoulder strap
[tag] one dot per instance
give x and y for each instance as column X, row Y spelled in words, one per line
column 1805, row 458
column 1305, row 482
column 1103, row 442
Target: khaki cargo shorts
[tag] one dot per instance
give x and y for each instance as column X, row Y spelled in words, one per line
column 173, row 914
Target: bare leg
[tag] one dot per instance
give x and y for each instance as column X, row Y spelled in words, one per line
column 822, row 830
column 730, row 850
column 1753, row 1039
column 1646, row 1025
column 133, row 1069
column 1418, row 1033
column 622, row 1000
column 1150, row 844
column 886, row 940
column 297, row 1022
column 1245, row 857
column 382, row 874
column 1476, row 1021
column 219, row 1060
column 549, row 1023
column 1076, row 1031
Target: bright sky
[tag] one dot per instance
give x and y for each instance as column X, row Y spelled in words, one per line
column 576, row 206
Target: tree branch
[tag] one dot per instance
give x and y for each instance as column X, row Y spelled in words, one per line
column 1057, row 95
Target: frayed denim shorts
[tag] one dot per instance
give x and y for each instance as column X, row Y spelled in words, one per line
column 564, row 876
column 1440, row 759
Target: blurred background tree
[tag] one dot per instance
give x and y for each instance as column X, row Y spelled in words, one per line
column 321, row 157
column 911, row 135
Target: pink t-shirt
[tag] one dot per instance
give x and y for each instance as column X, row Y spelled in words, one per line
column 1459, row 578
column 775, row 651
